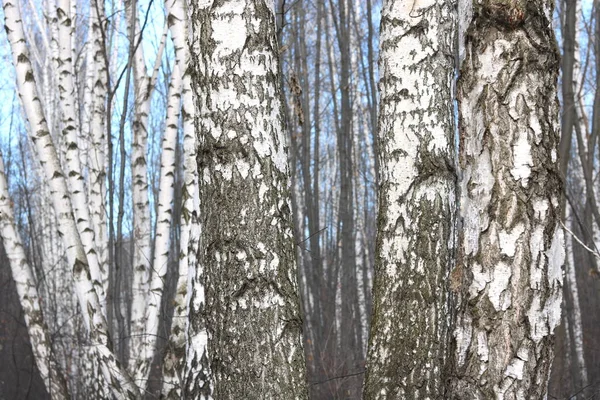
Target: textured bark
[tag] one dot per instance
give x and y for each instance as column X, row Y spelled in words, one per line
column 414, row 251
column 163, row 230
column 70, row 129
column 247, row 258
column 174, row 358
column 23, row 275
column 142, row 230
column 98, row 145
column 119, row 382
column 509, row 267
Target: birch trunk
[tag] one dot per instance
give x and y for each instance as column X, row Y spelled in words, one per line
column 511, row 249
column 247, row 258
column 142, row 230
column 98, row 146
column 414, row 249
column 67, row 96
column 174, row 358
column 41, row 343
column 163, row 230
column 119, row 382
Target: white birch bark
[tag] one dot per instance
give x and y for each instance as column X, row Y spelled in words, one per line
column 511, row 248
column 247, row 257
column 41, row 344
column 174, row 359
column 117, row 379
column 408, row 348
column 163, row 230
column 142, row 230
column 98, row 144
column 70, row 129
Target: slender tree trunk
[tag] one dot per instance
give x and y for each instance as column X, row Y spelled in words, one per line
column 373, row 87
column 251, row 308
column 511, row 249
column 70, row 129
column 567, row 63
column 41, row 343
column 578, row 370
column 118, row 380
column 350, row 354
column 97, row 146
column 408, row 347
column 142, row 230
column 163, row 228
column 174, row 358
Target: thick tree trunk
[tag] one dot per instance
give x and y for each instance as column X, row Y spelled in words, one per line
column 511, row 251
column 251, row 309
column 409, row 340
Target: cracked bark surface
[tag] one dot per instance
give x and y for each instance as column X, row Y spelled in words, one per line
column 508, row 275
column 245, row 323
column 414, row 248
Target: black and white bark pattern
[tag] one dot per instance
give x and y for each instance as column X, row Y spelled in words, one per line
column 117, row 379
column 511, row 251
column 246, row 303
column 25, row 282
column 414, row 250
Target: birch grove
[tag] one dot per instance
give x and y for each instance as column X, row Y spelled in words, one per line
column 335, row 199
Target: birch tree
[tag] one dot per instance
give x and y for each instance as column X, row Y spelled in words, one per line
column 174, row 358
column 163, row 229
column 508, row 274
column 41, row 343
column 70, row 132
column 142, row 232
column 247, row 304
column 408, row 347
column 95, row 322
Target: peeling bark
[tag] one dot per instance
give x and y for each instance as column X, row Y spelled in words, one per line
column 246, row 307
column 415, row 239
column 511, row 248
